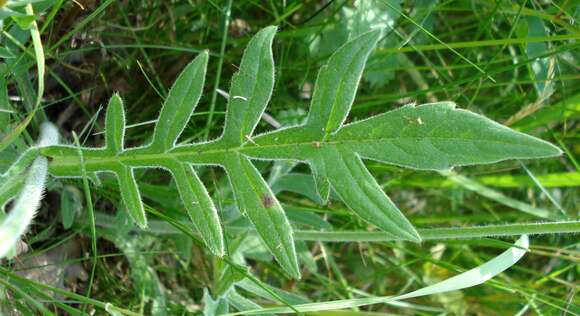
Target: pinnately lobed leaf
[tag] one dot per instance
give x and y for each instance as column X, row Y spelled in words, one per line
column 433, row 137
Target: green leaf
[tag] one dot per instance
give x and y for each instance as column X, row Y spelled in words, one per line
column 115, row 125
column 180, row 103
column 371, row 15
column 6, row 53
column 213, row 307
column 130, row 195
column 318, row 166
column 70, row 205
column 438, row 136
column 251, row 88
column 362, row 194
column 337, row 84
column 540, row 67
column 199, row 206
column 114, row 139
column 255, row 200
column 432, row 137
column 175, row 114
column 24, row 21
column 241, row 303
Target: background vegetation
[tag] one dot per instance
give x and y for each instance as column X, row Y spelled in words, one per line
column 515, row 62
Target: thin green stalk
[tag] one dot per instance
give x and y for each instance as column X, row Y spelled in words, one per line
column 26, row 296
column 446, row 233
column 39, row 54
column 81, row 24
column 91, row 214
column 438, row 40
column 219, row 69
column 483, row 43
column 469, row 232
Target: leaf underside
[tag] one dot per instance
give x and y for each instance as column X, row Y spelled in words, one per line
column 433, row 136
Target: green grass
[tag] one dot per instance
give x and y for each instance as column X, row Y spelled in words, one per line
column 437, row 51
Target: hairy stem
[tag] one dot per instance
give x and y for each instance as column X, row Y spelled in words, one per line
column 447, row 233
column 504, row 230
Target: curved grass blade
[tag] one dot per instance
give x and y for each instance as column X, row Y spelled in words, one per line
column 40, row 66
column 473, row 277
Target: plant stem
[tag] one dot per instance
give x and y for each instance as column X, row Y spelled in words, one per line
column 560, row 227
column 446, row 233
column 483, row 43
column 219, row 68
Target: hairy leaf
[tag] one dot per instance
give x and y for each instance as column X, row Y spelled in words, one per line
column 433, row 136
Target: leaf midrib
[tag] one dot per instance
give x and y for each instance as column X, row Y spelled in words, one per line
column 198, row 151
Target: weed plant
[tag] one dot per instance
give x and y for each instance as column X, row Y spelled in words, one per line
column 320, row 157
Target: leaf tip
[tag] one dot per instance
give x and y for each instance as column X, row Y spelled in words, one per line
column 270, row 29
column 555, row 151
column 142, row 223
column 407, row 232
column 294, row 272
column 414, row 236
column 543, row 149
column 217, row 247
column 204, row 55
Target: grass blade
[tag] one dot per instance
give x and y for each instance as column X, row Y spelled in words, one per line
column 464, row 280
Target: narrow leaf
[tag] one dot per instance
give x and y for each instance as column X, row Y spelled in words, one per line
column 363, row 195
column 255, row 199
column 337, row 84
column 199, row 206
column 5, row 108
column 70, row 205
column 318, row 166
column 251, row 88
column 130, row 195
column 180, row 103
column 115, row 125
column 567, row 109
